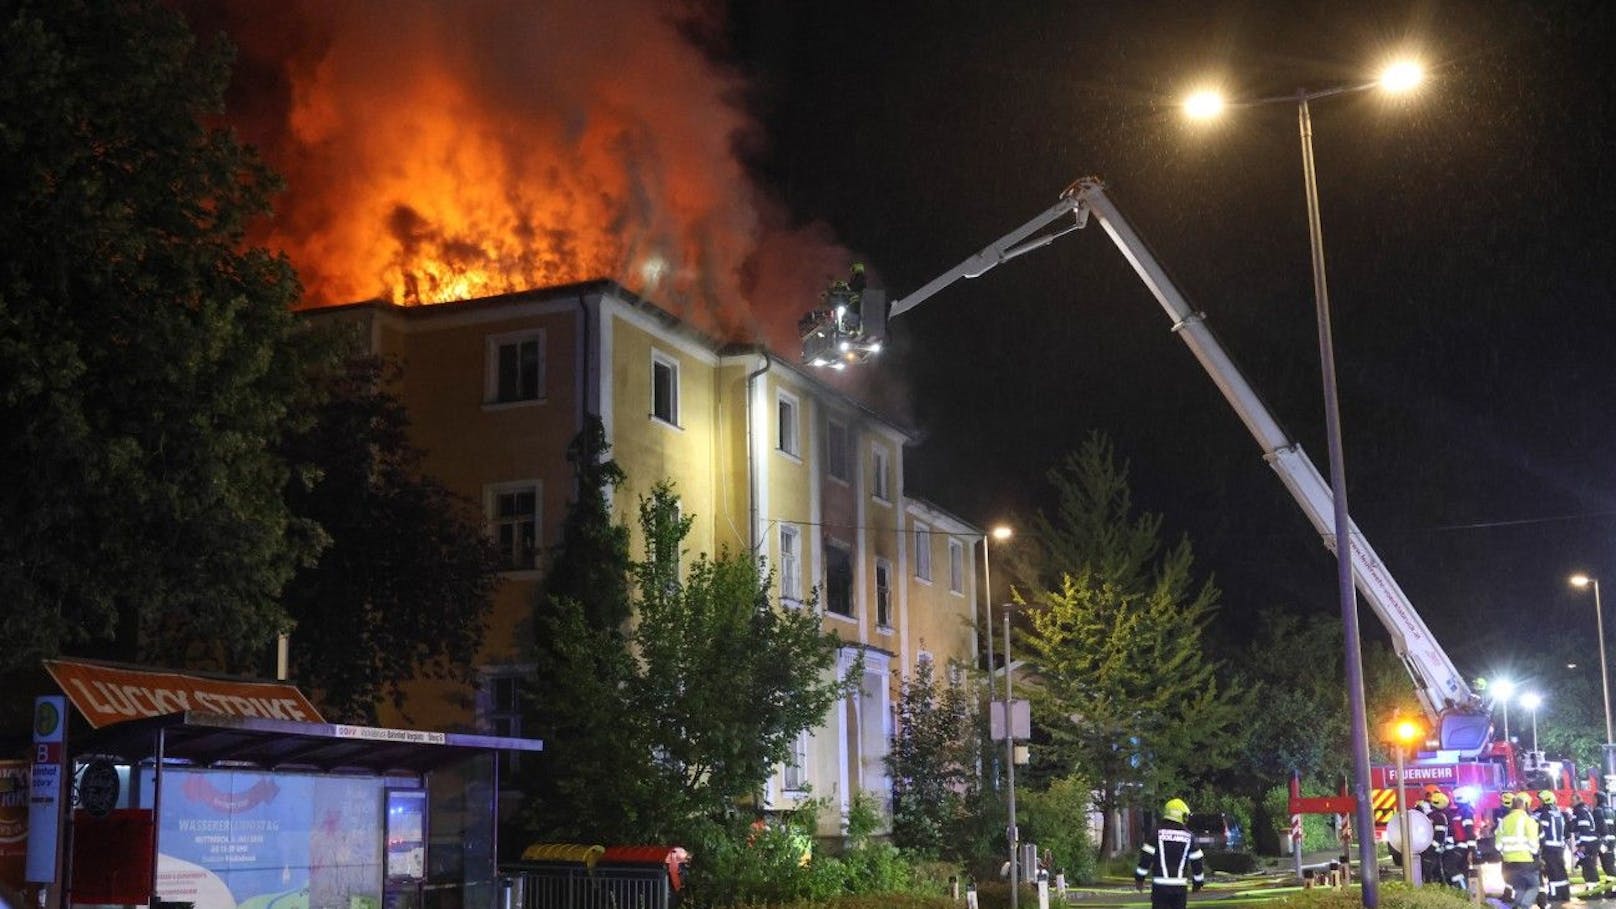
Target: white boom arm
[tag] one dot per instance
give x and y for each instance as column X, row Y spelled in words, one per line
column 1440, row 687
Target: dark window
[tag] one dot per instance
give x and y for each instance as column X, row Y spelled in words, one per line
column 883, row 594
column 665, row 391
column 519, row 371
column 837, row 463
column 516, row 527
column 838, row 579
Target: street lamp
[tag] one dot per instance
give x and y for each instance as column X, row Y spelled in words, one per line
column 1000, row 533
column 1503, row 690
column 1398, row 77
column 1582, row 580
column 1403, row 734
column 1532, row 701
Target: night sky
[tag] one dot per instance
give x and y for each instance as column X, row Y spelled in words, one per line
column 1468, row 235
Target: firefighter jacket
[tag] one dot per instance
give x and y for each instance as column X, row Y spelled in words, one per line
column 1518, row 837
column 1168, row 855
column 1441, row 830
column 1498, row 815
column 1551, row 824
column 1605, row 823
column 1583, row 828
column 1464, row 826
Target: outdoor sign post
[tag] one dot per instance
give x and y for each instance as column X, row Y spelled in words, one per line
column 45, row 789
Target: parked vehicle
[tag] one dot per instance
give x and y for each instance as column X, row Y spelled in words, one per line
column 1216, row 832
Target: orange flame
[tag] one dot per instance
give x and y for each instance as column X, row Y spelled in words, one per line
column 439, row 151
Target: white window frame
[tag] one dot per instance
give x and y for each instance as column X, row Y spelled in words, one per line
column 493, row 345
column 922, row 552
column 670, row 363
column 838, row 465
column 495, row 718
column 880, row 466
column 794, row 771
column 491, row 497
column 883, row 594
column 788, row 432
column 790, row 563
column 956, row 566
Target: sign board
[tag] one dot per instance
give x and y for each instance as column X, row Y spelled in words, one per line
column 45, row 788
column 13, row 822
column 1323, row 804
column 1020, row 719
column 110, row 694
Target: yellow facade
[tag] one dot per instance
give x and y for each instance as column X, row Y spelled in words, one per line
column 763, row 456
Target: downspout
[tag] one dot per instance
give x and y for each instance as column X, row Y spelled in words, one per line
column 751, row 453
column 585, row 387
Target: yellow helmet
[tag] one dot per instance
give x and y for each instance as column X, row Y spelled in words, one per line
column 1546, row 797
column 1439, row 799
column 1175, row 810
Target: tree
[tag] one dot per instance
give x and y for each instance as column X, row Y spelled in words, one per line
column 406, row 584
column 149, row 365
column 704, row 692
column 933, row 763
column 1121, row 682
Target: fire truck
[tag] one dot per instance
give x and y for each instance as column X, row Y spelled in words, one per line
column 1462, row 756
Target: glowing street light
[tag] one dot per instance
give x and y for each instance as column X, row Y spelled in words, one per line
column 1404, row 734
column 1582, row 580
column 1532, row 701
column 1001, row 533
column 1399, row 76
column 1503, row 690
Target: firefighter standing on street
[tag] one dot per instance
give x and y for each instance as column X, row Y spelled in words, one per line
column 1464, row 826
column 1605, row 826
column 1438, row 865
column 1586, row 832
column 1171, row 860
column 1518, row 842
column 1552, row 827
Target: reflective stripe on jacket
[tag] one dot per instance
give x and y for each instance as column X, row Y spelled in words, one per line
column 1518, row 837
column 1164, row 859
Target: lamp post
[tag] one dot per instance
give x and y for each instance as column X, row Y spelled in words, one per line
column 1404, row 733
column 1398, row 77
column 1012, row 834
column 1503, row 690
column 1532, row 701
column 1000, row 533
column 1582, row 580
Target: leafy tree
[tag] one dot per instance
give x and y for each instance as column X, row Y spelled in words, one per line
column 405, row 587
column 148, row 358
column 1129, row 699
column 932, row 763
column 706, row 690
column 1121, row 683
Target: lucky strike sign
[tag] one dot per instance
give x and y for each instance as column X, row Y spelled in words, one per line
column 107, row 694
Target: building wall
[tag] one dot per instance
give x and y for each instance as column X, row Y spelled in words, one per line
column 723, row 451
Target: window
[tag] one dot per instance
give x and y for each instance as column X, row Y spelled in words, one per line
column 513, row 517
column 883, row 593
column 790, row 562
column 515, row 368
column 788, row 424
column 956, row 566
column 838, row 579
column 922, row 551
column 836, row 452
column 796, row 766
column 665, row 389
column 880, row 488
column 500, row 707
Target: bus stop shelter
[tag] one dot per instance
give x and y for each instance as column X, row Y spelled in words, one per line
column 219, row 811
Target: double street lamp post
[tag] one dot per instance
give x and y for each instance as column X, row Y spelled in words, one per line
column 1398, row 77
column 1582, row 580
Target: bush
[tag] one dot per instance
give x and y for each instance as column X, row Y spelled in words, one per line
column 1393, row 895
column 1057, row 819
column 1231, row 862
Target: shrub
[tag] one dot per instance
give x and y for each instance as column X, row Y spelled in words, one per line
column 1057, row 819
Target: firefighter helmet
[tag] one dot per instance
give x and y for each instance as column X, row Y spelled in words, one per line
column 1546, row 797
column 1439, row 799
column 1175, row 810
column 1461, row 797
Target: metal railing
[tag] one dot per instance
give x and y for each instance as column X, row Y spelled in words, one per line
column 543, row 885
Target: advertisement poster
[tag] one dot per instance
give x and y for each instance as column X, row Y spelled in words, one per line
column 13, row 822
column 232, row 839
